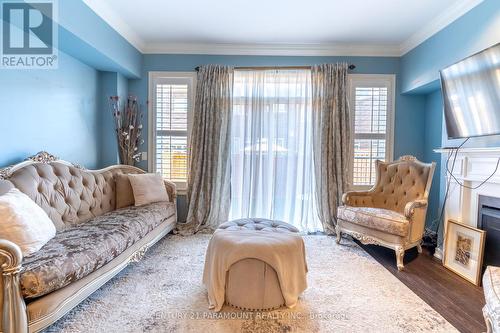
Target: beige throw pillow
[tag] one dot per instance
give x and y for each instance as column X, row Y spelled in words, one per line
column 148, row 188
column 124, row 192
column 23, row 222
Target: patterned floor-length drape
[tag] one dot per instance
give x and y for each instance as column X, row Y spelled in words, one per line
column 332, row 139
column 209, row 165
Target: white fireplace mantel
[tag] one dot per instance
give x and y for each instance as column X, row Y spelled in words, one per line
column 469, row 150
column 472, row 167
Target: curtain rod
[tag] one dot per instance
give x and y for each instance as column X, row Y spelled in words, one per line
column 351, row 66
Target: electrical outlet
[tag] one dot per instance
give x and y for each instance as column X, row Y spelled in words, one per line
column 144, row 155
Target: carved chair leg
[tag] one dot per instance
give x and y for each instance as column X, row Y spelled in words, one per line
column 419, row 248
column 338, row 233
column 400, row 254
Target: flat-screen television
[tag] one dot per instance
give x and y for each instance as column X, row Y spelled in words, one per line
column 471, row 93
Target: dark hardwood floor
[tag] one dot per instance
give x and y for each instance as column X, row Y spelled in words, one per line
column 457, row 300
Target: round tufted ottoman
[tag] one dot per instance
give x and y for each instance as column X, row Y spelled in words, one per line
column 258, row 224
column 251, row 283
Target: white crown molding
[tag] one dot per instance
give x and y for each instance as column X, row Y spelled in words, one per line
column 102, row 9
column 275, row 49
column 438, row 23
column 283, row 49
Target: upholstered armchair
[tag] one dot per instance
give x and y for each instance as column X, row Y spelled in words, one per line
column 392, row 213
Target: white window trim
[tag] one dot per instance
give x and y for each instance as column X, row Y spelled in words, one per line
column 374, row 80
column 153, row 77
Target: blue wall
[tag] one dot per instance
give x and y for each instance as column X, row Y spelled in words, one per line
column 53, row 110
column 432, row 140
column 409, row 117
column 111, row 84
column 65, row 110
column 85, row 36
column 409, row 109
column 471, row 33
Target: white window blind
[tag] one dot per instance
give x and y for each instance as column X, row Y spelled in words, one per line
column 371, row 107
column 172, row 104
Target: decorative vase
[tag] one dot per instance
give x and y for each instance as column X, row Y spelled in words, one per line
column 128, row 128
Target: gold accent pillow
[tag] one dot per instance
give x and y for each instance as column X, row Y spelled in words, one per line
column 124, row 192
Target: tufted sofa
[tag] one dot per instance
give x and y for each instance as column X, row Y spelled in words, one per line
column 93, row 243
column 392, row 213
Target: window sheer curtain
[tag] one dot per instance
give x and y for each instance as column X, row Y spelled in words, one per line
column 272, row 170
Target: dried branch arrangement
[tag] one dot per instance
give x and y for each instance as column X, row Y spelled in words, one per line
column 128, row 128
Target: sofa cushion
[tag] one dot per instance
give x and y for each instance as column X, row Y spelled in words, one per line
column 24, row 222
column 148, row 188
column 80, row 250
column 124, row 192
column 375, row 218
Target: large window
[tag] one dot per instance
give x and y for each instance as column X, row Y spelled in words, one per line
column 272, row 174
column 372, row 105
column 171, row 98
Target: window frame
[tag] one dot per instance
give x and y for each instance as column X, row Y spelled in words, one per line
column 372, row 80
column 168, row 77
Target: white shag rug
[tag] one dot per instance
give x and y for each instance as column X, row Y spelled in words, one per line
column 348, row 291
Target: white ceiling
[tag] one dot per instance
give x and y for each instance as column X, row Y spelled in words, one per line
column 354, row 27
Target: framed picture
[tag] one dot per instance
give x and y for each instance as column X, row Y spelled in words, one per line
column 463, row 250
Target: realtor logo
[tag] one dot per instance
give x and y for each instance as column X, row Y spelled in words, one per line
column 29, row 34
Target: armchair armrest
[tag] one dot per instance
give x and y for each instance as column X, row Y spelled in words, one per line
column 171, row 190
column 13, row 316
column 357, row 198
column 412, row 205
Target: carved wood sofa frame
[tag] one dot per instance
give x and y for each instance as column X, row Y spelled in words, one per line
column 16, row 316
